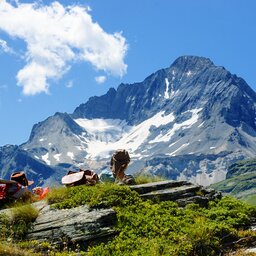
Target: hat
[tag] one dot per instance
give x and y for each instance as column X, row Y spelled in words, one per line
column 21, row 178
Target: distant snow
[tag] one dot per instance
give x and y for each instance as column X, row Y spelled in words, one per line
column 102, row 126
column 212, row 147
column 169, row 90
column 103, row 136
column 71, row 155
column 177, row 126
column 200, row 125
column 42, row 139
column 130, row 137
column 189, row 73
column 57, row 157
column 182, row 146
column 166, row 93
column 45, row 158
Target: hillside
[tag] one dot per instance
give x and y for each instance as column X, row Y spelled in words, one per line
column 241, row 181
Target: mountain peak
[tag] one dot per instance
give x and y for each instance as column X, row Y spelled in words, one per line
column 192, row 62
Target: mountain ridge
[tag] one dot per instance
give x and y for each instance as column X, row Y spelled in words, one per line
column 192, row 108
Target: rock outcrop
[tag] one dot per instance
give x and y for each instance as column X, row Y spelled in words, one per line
column 182, row 192
column 79, row 225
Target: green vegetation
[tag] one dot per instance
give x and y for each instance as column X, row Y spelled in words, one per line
column 242, row 167
column 147, row 178
column 147, row 228
column 15, row 224
column 241, row 181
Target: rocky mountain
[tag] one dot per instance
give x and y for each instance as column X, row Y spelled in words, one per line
column 188, row 121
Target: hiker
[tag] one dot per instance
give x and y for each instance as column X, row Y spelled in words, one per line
column 82, row 177
column 15, row 188
column 118, row 165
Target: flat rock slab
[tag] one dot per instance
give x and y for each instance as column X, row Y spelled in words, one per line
column 172, row 193
column 182, row 192
column 160, row 185
column 76, row 225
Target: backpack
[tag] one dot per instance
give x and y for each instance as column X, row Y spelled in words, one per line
column 9, row 190
column 82, row 177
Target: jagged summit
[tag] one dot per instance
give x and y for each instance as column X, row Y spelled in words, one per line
column 192, row 62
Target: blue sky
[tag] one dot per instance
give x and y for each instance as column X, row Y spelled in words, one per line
column 55, row 55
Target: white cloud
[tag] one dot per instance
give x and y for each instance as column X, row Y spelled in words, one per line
column 55, row 37
column 100, row 79
column 4, row 47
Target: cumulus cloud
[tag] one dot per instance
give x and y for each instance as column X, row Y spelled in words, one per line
column 100, row 79
column 57, row 36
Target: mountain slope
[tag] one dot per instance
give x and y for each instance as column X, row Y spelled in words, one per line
column 241, row 181
column 193, row 119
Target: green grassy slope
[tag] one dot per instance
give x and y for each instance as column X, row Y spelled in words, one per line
column 241, row 181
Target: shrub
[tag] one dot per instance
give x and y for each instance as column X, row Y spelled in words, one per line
column 100, row 195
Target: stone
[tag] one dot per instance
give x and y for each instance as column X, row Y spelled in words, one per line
column 80, row 225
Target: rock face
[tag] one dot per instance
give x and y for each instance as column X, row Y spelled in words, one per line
column 182, row 192
column 77, row 225
column 192, row 119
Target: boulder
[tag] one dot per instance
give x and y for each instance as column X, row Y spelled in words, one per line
column 80, row 225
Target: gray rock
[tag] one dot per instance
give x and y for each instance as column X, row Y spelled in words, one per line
column 77, row 225
column 181, row 192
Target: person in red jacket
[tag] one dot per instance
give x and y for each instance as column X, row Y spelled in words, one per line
column 15, row 188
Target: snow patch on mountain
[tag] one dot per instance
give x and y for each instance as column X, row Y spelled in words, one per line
column 71, row 155
column 166, row 93
column 177, row 126
column 181, row 147
column 57, row 157
column 120, row 135
column 45, row 158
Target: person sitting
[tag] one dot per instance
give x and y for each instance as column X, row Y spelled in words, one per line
column 15, row 189
column 21, row 191
column 118, row 165
column 82, row 177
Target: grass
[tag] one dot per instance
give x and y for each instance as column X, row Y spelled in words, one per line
column 147, row 178
column 15, row 224
column 242, row 187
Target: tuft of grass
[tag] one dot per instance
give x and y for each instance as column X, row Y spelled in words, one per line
column 16, row 225
column 147, row 178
